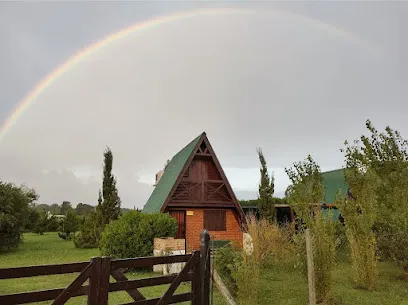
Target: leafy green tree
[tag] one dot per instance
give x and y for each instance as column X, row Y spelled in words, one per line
column 32, row 219
column 53, row 224
column 359, row 215
column 66, row 207
column 266, row 190
column 385, row 154
column 90, row 232
column 84, row 209
column 306, row 196
column 108, row 202
column 55, row 208
column 69, row 225
column 14, row 211
column 108, row 208
column 43, row 207
column 42, row 223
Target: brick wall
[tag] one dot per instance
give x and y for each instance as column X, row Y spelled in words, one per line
column 194, row 226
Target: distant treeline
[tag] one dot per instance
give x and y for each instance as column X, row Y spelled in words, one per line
column 62, row 209
column 256, row 202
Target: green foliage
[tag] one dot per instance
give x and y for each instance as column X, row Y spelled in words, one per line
column 359, row 217
column 227, row 261
column 66, row 207
column 14, row 212
column 108, row 202
column 54, row 209
column 266, row 190
column 385, row 154
column 107, row 210
column 306, row 195
column 32, row 219
column 53, row 224
column 89, row 234
column 69, row 225
column 84, row 209
column 42, row 223
column 133, row 233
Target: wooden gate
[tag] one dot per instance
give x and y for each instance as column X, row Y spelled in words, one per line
column 98, row 271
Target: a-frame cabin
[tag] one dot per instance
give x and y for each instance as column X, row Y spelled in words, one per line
column 194, row 190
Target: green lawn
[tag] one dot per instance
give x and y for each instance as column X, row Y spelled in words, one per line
column 281, row 287
column 287, row 287
column 50, row 249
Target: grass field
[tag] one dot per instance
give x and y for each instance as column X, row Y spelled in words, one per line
column 50, row 249
column 281, row 287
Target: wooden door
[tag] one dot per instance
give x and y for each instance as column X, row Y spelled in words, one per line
column 180, row 216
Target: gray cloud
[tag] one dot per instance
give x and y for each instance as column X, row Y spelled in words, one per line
column 249, row 80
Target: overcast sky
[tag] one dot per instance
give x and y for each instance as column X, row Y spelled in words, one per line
column 292, row 78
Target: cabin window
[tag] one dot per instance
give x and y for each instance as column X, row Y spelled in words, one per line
column 215, row 220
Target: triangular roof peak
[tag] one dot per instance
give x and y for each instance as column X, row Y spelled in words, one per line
column 174, row 172
column 169, row 177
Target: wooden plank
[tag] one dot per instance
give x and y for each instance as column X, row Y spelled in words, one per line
column 205, row 270
column 74, row 286
column 310, row 269
column 196, row 283
column 208, row 204
column 148, row 282
column 222, row 288
column 165, row 299
column 178, row 298
column 185, row 191
column 123, row 284
column 203, row 154
column 104, row 277
column 38, row 296
column 148, row 261
column 94, row 283
column 29, row 271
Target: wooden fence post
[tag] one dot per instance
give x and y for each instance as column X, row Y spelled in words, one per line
column 205, row 271
column 196, row 282
column 104, row 281
column 98, row 293
column 93, row 293
column 310, row 268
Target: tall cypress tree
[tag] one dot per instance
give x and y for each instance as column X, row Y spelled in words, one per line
column 266, row 190
column 109, row 201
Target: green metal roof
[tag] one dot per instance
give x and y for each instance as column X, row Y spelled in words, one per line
column 166, row 182
column 334, row 181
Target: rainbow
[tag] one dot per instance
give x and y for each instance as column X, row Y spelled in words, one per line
column 155, row 22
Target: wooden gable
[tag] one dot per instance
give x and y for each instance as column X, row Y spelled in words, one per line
column 202, row 183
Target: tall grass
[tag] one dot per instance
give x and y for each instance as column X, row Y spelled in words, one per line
column 270, row 245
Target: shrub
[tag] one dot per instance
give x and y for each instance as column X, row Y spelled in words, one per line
column 133, row 233
column 14, row 210
column 42, row 223
column 359, row 216
column 307, row 187
column 69, row 225
column 227, row 261
column 89, row 234
column 394, row 247
column 53, row 224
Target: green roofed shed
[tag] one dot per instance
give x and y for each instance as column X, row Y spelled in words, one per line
column 334, row 181
column 166, row 182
